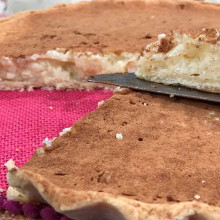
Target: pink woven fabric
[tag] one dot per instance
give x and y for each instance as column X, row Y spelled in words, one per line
column 27, row 118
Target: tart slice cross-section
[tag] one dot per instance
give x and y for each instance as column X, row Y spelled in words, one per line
column 183, row 58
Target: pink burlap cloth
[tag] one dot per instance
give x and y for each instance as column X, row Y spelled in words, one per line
column 27, row 118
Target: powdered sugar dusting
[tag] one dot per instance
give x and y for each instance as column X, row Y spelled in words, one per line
column 119, row 136
column 100, row 103
column 65, row 130
column 197, row 197
column 11, row 165
column 160, row 36
column 47, row 142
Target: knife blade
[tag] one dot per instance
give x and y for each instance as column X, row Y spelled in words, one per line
column 129, row 80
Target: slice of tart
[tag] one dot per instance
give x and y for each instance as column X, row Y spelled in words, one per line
column 59, row 47
column 137, row 157
column 182, row 58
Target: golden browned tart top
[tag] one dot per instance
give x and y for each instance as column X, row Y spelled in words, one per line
column 169, row 151
column 102, row 26
column 140, row 153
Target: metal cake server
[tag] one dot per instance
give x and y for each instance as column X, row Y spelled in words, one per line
column 129, row 80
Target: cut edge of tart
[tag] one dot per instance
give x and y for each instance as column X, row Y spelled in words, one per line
column 62, row 51
column 62, row 69
column 181, row 58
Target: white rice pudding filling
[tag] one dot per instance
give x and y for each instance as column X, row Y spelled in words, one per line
column 192, row 62
column 61, row 69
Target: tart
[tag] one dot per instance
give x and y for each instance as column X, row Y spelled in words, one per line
column 59, row 47
column 138, row 156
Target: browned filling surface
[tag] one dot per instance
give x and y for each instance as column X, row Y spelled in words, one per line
column 170, row 150
column 102, row 26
